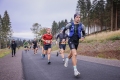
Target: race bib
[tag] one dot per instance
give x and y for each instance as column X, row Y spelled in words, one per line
column 48, row 41
column 63, row 41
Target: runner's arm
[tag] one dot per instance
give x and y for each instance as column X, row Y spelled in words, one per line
column 83, row 31
column 15, row 44
column 51, row 39
column 33, row 43
column 57, row 37
column 67, row 37
column 66, row 27
column 43, row 38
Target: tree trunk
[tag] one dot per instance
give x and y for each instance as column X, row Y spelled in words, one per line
column 94, row 26
column 0, row 45
column 116, row 19
column 88, row 25
column 111, row 15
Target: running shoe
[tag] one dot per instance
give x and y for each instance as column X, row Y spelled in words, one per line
column 76, row 73
column 66, row 62
column 57, row 54
column 49, row 62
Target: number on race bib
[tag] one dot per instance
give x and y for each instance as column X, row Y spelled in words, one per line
column 47, row 41
column 63, row 40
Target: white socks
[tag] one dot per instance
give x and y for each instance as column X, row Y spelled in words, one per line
column 75, row 68
column 48, row 60
column 67, row 59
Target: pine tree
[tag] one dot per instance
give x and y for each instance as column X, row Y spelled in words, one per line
column 0, row 30
column 5, row 28
column 54, row 28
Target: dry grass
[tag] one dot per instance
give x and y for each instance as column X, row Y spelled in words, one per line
column 103, row 45
column 4, row 52
column 103, row 36
column 55, row 47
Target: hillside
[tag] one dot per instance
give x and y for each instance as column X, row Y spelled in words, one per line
column 103, row 45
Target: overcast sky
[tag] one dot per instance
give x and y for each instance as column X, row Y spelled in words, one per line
column 23, row 13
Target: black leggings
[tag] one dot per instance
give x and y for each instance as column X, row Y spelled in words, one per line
column 13, row 51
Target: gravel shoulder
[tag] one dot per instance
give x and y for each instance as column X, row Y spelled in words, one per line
column 111, row 62
column 11, row 67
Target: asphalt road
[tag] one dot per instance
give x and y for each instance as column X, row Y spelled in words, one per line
column 36, row 68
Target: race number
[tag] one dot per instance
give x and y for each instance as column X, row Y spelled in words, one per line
column 48, row 41
column 63, row 41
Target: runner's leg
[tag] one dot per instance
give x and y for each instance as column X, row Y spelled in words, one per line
column 48, row 53
column 44, row 51
column 12, row 52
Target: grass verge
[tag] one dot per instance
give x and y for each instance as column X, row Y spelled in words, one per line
column 4, row 52
column 103, row 36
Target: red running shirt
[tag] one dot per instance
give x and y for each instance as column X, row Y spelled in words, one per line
column 47, row 38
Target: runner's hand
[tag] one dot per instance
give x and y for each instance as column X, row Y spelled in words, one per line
column 82, row 39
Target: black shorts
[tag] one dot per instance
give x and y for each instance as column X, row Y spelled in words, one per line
column 34, row 47
column 73, row 44
column 46, row 47
column 26, row 47
column 62, row 46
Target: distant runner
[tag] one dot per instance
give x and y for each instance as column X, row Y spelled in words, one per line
column 13, row 47
column 26, row 46
column 35, row 46
column 62, row 43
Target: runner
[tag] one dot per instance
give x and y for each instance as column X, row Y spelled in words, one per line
column 75, row 29
column 62, row 43
column 35, row 47
column 47, row 39
column 26, row 44
column 13, row 47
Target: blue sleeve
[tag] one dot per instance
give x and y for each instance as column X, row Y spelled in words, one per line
column 83, row 30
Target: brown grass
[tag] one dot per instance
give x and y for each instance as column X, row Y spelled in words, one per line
column 4, row 52
column 103, row 45
column 103, row 36
column 55, row 47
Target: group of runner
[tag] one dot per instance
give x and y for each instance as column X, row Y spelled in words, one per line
column 76, row 32
column 28, row 46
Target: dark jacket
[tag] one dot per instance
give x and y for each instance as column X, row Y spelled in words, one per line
column 13, row 44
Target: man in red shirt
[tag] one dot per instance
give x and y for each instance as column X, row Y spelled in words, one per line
column 47, row 39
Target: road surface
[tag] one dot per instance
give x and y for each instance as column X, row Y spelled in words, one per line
column 36, row 68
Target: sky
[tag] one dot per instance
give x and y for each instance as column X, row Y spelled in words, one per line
column 24, row 13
